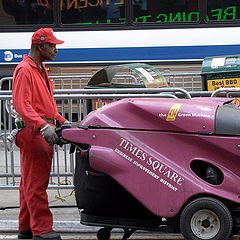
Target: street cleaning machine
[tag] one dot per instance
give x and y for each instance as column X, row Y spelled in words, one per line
column 159, row 164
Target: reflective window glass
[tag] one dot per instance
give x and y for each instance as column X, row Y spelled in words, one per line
column 223, row 10
column 92, row 11
column 165, row 11
column 23, row 12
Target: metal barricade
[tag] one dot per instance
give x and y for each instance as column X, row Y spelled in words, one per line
column 8, row 83
column 228, row 92
column 74, row 101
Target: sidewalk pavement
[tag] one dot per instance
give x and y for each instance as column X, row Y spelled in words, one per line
column 62, row 204
column 66, row 219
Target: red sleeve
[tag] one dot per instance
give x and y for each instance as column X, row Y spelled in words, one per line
column 60, row 118
column 22, row 99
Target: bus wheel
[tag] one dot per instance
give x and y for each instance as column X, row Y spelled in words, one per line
column 206, row 218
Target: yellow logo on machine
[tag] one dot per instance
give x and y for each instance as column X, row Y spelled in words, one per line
column 172, row 114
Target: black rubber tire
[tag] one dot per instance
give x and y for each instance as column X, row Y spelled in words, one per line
column 206, row 219
column 104, row 234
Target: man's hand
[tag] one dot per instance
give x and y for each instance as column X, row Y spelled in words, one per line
column 49, row 134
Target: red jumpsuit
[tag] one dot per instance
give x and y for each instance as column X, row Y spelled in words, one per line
column 33, row 99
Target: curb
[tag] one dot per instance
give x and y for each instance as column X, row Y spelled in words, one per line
column 10, row 226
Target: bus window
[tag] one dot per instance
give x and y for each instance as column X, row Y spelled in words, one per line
column 23, row 12
column 165, row 11
column 92, row 11
column 223, row 10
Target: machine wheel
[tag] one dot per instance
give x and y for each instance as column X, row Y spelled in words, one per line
column 104, row 234
column 206, row 218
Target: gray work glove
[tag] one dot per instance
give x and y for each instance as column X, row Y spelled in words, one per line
column 66, row 122
column 49, row 134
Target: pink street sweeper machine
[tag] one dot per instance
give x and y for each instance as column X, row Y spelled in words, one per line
column 160, row 164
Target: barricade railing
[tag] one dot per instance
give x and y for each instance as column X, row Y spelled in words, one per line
column 228, row 92
column 69, row 103
column 8, row 81
column 74, row 104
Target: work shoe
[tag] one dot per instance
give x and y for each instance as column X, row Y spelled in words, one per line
column 48, row 236
column 26, row 234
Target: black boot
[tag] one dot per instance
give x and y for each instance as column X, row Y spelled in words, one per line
column 26, row 234
column 48, row 236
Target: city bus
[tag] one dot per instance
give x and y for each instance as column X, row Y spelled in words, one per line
column 103, row 32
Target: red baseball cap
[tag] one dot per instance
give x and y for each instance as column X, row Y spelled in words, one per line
column 43, row 35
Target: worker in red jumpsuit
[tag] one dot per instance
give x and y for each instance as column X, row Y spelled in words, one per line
column 34, row 102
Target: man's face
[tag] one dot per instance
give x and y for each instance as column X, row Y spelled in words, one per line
column 48, row 51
